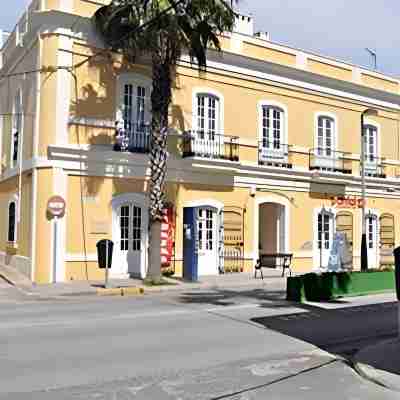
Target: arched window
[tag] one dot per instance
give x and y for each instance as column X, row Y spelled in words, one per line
column 208, row 122
column 326, row 132
column 273, row 127
column 11, row 222
column 16, row 128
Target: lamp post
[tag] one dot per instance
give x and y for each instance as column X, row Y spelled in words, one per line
column 364, row 251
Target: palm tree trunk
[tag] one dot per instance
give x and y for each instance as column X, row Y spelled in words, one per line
column 160, row 101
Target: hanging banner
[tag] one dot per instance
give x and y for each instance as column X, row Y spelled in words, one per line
column 167, row 236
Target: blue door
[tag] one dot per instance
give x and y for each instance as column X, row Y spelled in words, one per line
column 190, row 253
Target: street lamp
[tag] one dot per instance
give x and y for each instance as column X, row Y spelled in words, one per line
column 369, row 112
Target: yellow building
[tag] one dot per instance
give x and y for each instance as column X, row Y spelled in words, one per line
column 264, row 151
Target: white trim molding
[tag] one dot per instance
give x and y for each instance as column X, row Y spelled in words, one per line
column 205, row 203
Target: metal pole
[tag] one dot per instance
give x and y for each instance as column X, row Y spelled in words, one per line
column 364, row 251
column 55, row 250
column 106, row 281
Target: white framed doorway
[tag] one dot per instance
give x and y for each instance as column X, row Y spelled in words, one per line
column 324, row 229
column 207, row 228
column 130, row 235
column 208, row 234
column 372, row 233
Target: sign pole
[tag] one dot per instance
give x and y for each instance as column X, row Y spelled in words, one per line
column 55, row 252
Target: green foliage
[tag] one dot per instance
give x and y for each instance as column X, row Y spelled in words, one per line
column 343, row 280
column 330, row 285
column 294, row 289
column 164, row 27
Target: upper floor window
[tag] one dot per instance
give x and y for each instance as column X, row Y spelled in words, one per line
column 326, row 132
column 273, row 127
column 11, row 222
column 133, row 114
column 207, row 116
column 370, row 143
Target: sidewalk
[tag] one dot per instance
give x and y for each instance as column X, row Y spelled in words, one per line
column 272, row 281
column 381, row 362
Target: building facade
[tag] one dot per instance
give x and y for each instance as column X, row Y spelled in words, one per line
column 264, row 153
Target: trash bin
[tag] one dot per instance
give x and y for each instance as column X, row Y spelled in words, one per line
column 396, row 253
column 104, row 252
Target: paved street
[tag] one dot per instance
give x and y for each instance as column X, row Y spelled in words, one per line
column 214, row 344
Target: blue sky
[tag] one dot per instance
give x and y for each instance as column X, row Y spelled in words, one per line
column 336, row 28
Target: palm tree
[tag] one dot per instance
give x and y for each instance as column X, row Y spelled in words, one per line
column 162, row 30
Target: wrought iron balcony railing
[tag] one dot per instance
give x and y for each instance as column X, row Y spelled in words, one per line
column 211, row 145
column 325, row 159
column 135, row 139
column 374, row 166
column 274, row 153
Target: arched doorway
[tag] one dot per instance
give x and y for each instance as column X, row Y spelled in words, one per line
column 271, row 219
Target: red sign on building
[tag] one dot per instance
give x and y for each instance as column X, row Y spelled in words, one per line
column 347, row 202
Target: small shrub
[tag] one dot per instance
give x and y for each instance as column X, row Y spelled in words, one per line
column 343, row 280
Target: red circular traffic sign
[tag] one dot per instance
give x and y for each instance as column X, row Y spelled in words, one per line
column 56, row 206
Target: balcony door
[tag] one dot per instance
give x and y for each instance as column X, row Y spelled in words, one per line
column 207, row 138
column 326, row 136
column 273, row 128
column 133, row 114
column 371, row 148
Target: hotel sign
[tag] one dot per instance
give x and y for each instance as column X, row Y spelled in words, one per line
column 347, row 202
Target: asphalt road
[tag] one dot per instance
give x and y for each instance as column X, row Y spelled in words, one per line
column 200, row 345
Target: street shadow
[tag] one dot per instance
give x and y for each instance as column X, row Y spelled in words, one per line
column 342, row 331
column 227, row 297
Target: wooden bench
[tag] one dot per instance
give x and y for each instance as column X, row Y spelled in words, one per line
column 275, row 260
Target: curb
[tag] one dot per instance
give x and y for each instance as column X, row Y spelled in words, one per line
column 121, row 291
column 378, row 376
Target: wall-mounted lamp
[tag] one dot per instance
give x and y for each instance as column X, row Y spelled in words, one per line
column 253, row 190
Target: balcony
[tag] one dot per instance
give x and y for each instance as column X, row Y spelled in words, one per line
column 135, row 139
column 274, row 154
column 374, row 167
column 210, row 145
column 323, row 159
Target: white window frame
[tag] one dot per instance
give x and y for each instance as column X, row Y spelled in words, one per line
column 273, row 154
column 208, row 92
column 282, row 107
column 16, row 113
column 335, row 138
column 377, row 126
column 136, row 80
